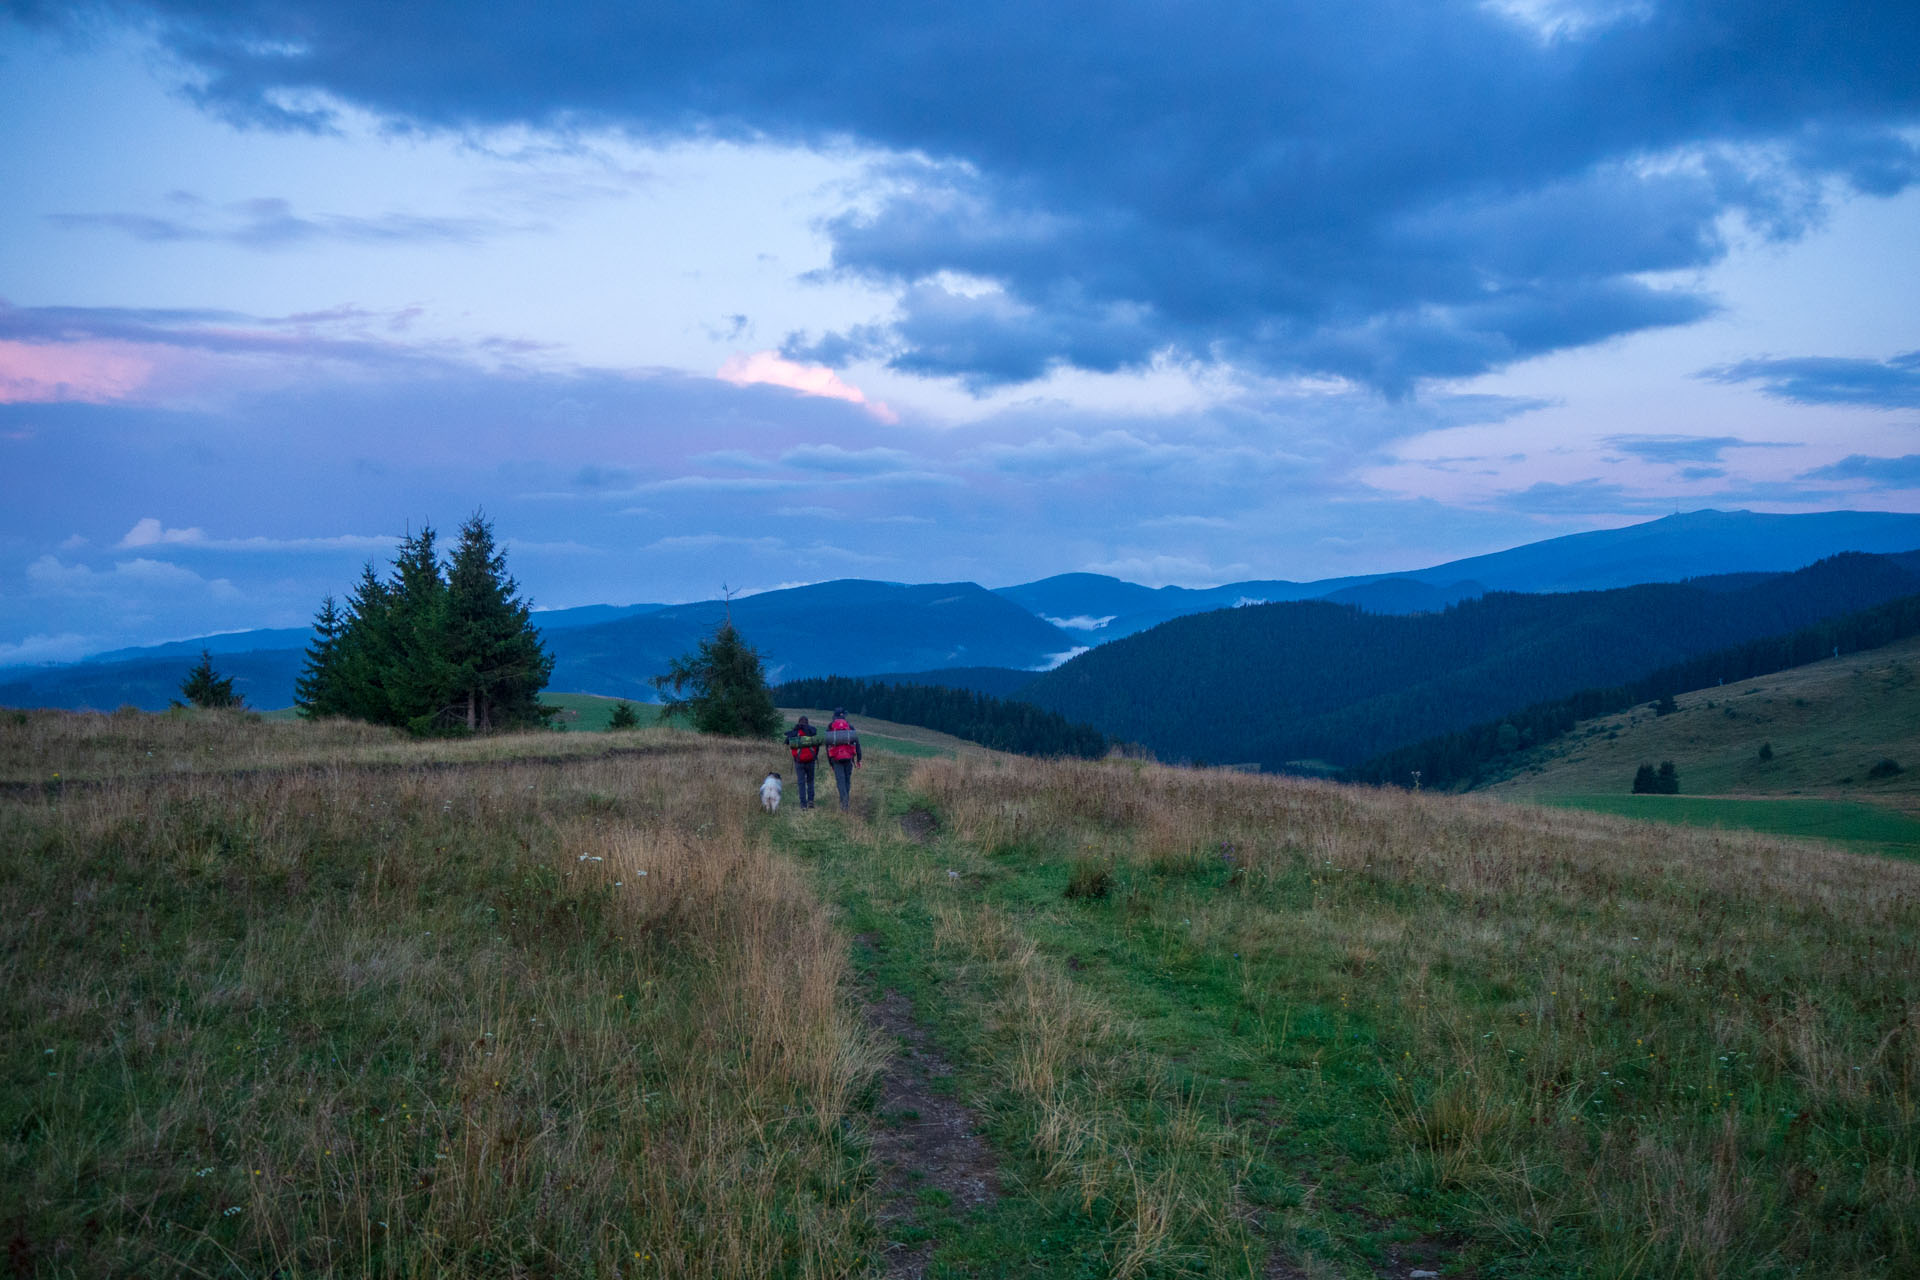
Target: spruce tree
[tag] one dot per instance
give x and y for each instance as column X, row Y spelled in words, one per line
column 318, row 691
column 623, row 716
column 364, row 653
column 727, row 687
column 204, row 688
column 496, row 659
column 420, row 675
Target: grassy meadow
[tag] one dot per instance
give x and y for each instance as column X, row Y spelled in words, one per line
column 316, row 1000
column 1826, row 724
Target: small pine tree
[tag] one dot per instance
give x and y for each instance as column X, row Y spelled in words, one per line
column 1645, row 781
column 1668, row 779
column 204, row 688
column 726, row 684
column 624, row 716
column 1766, row 751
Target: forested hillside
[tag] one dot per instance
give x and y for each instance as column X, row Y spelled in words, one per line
column 1311, row 680
column 977, row 717
column 1472, row 755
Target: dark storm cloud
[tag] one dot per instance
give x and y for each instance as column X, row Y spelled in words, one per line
column 1881, row 384
column 1388, row 190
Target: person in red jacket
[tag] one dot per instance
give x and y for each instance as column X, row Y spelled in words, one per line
column 843, row 753
column 803, row 743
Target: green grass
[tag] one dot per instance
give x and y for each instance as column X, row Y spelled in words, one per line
column 1870, row 827
column 1826, row 724
column 1342, row 1030
column 322, row 1001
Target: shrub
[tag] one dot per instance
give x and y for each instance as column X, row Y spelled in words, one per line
column 1089, row 877
column 1885, row 768
column 1766, row 751
column 1664, row 781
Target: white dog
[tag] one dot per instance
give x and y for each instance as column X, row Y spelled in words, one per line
column 770, row 793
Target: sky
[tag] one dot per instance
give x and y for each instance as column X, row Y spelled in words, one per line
column 735, row 295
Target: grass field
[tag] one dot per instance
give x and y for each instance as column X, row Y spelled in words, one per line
column 314, row 1000
column 1826, row 724
column 1871, row 828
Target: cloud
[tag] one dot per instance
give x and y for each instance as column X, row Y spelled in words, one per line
column 812, row 380
column 1163, row 570
column 64, row 647
column 1384, row 192
column 1681, row 448
column 1885, row 473
column 272, row 223
column 1582, row 497
column 90, row 372
column 149, row 532
column 52, row 575
column 1893, row 383
column 831, row 457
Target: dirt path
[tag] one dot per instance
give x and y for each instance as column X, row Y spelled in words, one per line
column 924, row 1139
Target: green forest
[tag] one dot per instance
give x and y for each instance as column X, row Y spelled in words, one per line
column 1310, row 680
column 977, row 717
column 1463, row 758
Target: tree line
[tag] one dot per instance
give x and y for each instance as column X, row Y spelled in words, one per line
column 432, row 647
column 1465, row 758
column 999, row 723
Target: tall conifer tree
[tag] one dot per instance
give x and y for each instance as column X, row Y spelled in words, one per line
column 497, row 660
column 318, row 691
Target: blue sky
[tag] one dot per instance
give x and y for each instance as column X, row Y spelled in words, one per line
column 749, row 294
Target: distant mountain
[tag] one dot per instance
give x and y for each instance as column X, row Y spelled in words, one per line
column 1312, row 680
column 829, row 628
column 824, row 629
column 1695, row 544
column 1690, row 545
column 870, row 628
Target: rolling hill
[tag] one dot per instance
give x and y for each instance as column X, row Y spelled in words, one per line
column 872, row 628
column 1692, row 544
column 1825, row 726
column 1314, row 681
column 822, row 629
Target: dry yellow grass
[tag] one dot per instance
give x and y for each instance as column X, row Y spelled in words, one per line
column 514, row 1018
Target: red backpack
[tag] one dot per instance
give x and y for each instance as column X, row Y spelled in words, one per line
column 840, row 741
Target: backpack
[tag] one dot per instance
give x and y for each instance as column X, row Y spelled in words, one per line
column 842, row 741
column 805, row 747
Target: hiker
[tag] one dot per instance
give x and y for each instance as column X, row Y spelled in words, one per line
column 803, row 743
column 843, row 753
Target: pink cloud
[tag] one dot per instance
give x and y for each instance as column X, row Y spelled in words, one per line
column 93, row 372
column 808, row 379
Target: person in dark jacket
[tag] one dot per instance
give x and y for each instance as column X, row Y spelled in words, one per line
column 803, row 743
column 843, row 753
